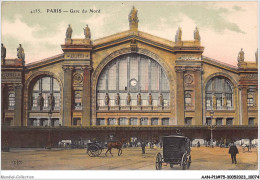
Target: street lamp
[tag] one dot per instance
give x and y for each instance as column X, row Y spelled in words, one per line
column 49, row 114
column 49, row 124
column 211, row 128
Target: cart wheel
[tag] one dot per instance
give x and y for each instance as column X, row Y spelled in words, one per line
column 171, row 165
column 189, row 162
column 93, row 151
column 120, row 152
column 99, row 152
column 158, row 164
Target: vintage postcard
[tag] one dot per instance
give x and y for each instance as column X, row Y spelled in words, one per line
column 161, row 88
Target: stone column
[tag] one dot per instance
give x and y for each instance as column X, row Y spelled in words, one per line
column 38, row 120
column 213, row 121
column 117, row 121
column 244, row 106
column 86, row 98
column 180, row 95
column 18, row 105
column 198, row 96
column 128, row 121
column 67, row 95
column 224, row 121
column 159, row 121
column 138, row 121
column 149, row 122
column 105, row 119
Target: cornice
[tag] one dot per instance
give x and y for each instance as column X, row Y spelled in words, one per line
column 44, row 62
column 144, row 38
column 219, row 64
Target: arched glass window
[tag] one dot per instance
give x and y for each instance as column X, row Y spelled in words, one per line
column 42, row 89
column 11, row 100
column 219, row 93
column 134, row 77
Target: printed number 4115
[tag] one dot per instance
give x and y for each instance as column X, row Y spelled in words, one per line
column 36, row 11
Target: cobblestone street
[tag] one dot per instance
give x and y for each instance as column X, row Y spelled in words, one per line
column 203, row 158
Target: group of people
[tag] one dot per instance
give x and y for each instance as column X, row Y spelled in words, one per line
column 233, row 151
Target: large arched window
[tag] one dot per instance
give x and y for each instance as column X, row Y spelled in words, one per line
column 42, row 89
column 219, row 93
column 132, row 80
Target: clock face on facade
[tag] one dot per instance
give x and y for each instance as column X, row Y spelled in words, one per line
column 133, row 82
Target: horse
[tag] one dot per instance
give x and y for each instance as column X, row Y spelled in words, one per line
column 117, row 145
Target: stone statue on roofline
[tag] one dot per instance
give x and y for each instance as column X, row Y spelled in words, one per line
column 69, row 32
column 178, row 35
column 133, row 15
column 87, row 32
column 241, row 56
column 20, row 52
column 196, row 34
column 256, row 56
column 3, row 53
column 133, row 19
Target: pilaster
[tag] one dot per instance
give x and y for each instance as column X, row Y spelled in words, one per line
column 244, row 105
column 149, row 121
column 67, row 95
column 86, row 97
column 160, row 121
column 213, row 121
column 138, row 121
column 224, row 121
column 180, row 95
column 105, row 121
column 198, row 96
column 18, row 105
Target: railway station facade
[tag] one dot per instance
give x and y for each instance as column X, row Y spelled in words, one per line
column 129, row 79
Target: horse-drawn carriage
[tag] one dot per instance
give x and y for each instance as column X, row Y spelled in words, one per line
column 176, row 150
column 95, row 148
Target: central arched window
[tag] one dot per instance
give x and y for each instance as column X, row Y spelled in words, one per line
column 219, row 93
column 43, row 88
column 132, row 80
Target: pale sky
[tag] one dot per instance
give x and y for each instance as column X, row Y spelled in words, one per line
column 225, row 27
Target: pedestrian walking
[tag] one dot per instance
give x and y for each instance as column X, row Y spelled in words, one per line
column 198, row 144
column 143, row 147
column 233, row 151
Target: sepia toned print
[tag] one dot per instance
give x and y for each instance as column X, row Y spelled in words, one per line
column 127, row 99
